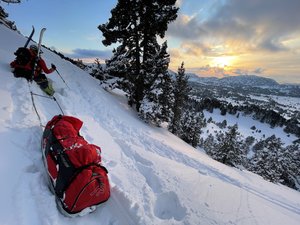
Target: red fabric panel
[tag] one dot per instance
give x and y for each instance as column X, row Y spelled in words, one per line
column 90, row 187
column 76, row 123
column 84, row 155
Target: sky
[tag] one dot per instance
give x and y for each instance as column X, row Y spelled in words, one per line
column 212, row 37
column 155, row 177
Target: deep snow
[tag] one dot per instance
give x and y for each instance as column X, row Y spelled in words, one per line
column 155, row 177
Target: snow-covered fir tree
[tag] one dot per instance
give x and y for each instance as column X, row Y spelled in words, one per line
column 118, row 64
column 158, row 99
column 190, row 127
column 209, row 144
column 290, row 161
column 228, row 150
column 97, row 70
column 267, row 161
column 246, row 147
column 181, row 90
column 4, row 18
column 135, row 24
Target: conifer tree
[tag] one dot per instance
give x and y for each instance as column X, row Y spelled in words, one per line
column 118, row 64
column 156, row 106
column 191, row 125
column 135, row 25
column 267, row 160
column 228, row 150
column 97, row 70
column 290, row 161
column 181, row 90
column 209, row 145
column 4, row 19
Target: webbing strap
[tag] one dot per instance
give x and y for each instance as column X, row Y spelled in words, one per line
column 43, row 96
column 66, row 169
column 34, row 106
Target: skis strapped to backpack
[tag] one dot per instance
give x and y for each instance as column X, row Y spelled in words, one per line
column 30, row 37
column 39, row 51
column 40, row 41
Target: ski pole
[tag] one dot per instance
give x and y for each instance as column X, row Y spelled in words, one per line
column 62, row 78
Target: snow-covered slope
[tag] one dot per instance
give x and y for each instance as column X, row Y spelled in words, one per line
column 155, row 177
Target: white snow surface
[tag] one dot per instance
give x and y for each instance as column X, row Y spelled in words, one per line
column 155, row 177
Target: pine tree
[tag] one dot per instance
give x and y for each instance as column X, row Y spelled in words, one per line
column 191, row 125
column 228, row 150
column 181, row 90
column 290, row 161
column 4, row 19
column 267, row 160
column 157, row 102
column 209, row 145
column 118, row 64
column 136, row 25
column 166, row 99
column 259, row 145
column 97, row 70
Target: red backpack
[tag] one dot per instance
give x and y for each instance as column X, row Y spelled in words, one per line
column 24, row 63
column 76, row 175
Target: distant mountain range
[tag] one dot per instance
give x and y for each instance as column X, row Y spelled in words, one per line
column 242, row 80
column 252, row 83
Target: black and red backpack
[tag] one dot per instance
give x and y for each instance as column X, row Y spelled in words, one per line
column 24, row 63
column 76, row 174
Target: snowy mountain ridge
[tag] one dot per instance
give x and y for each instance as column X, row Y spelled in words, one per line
column 155, row 177
column 245, row 80
column 250, row 83
column 251, row 80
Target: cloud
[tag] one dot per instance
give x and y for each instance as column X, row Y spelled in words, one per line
column 258, row 24
column 89, row 53
column 258, row 70
column 208, row 71
column 186, row 27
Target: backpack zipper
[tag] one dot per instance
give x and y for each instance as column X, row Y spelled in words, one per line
column 82, row 190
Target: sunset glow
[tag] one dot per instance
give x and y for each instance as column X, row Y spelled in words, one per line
column 233, row 37
column 222, row 61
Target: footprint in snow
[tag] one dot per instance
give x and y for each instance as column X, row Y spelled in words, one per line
column 168, row 206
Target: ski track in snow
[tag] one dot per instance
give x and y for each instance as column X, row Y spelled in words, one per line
column 143, row 166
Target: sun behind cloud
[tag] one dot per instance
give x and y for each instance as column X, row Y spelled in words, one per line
column 222, row 61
